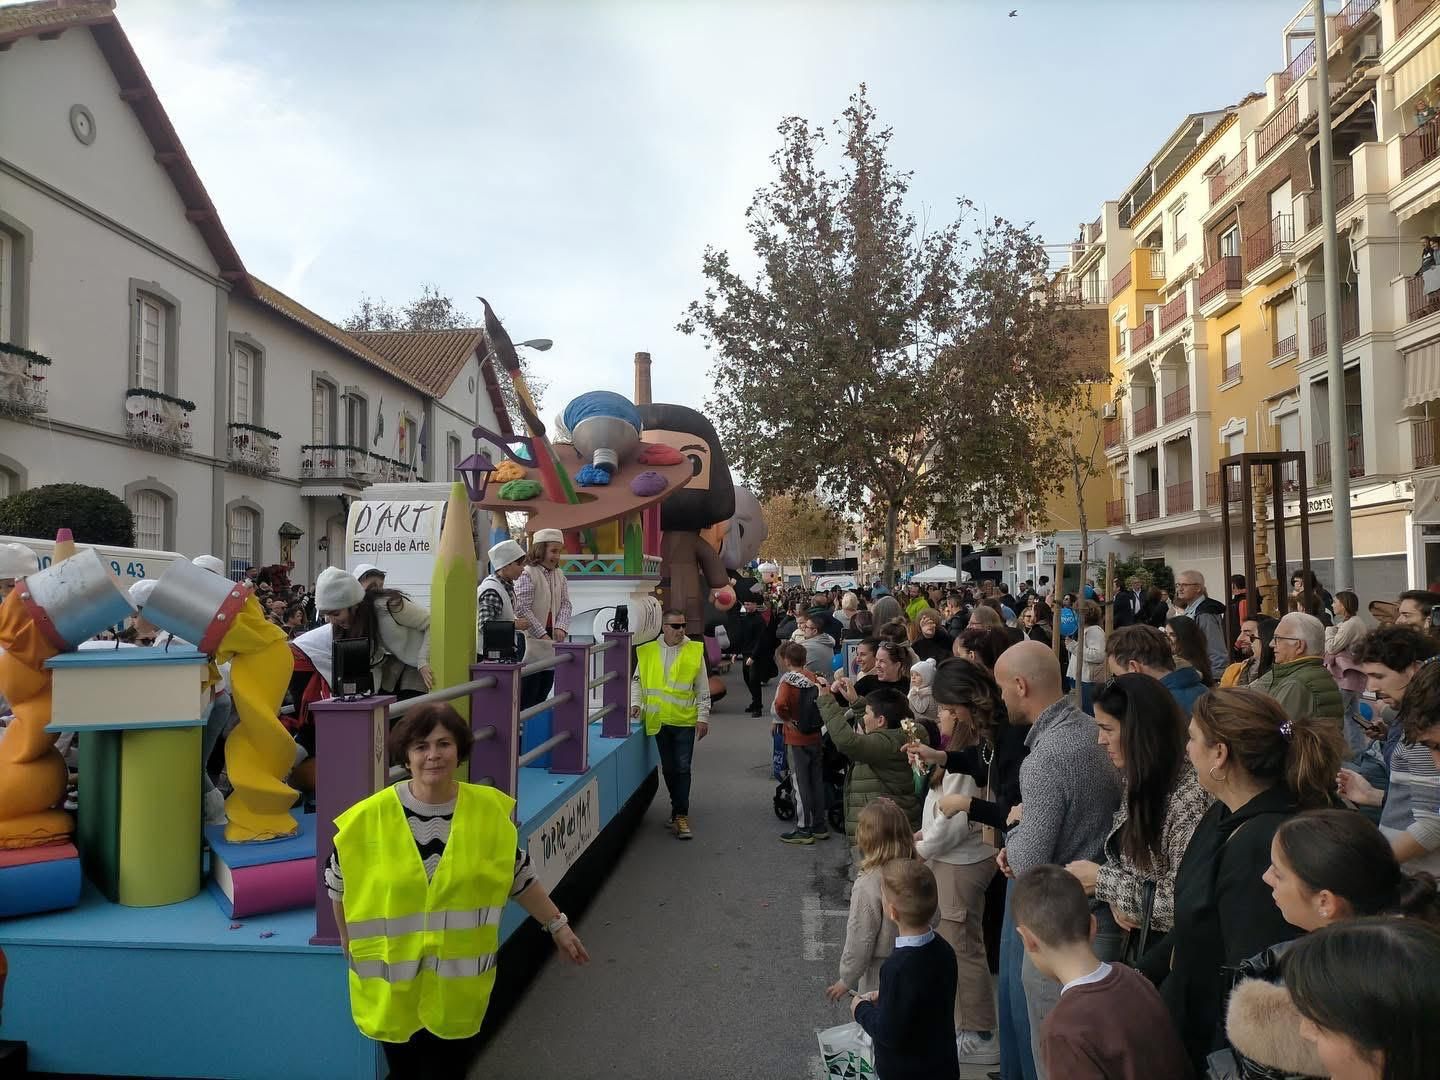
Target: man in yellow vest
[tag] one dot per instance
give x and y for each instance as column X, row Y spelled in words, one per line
column 672, row 690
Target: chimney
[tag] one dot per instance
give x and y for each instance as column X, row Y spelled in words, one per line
column 642, row 378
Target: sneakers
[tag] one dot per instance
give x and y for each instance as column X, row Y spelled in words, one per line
column 820, row 834
column 682, row 828
column 974, row 1048
column 797, row 836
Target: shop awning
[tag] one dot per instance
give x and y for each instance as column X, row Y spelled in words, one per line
column 1425, row 202
column 1417, row 73
column 1422, row 375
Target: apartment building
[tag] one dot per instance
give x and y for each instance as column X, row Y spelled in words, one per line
column 138, row 354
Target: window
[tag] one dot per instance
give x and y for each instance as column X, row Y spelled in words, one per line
column 1230, row 242
column 409, row 449
column 242, row 384
column 357, row 427
column 240, row 539
column 1231, row 351
column 148, row 372
column 148, row 509
column 452, row 456
column 1284, row 327
column 1177, row 227
column 9, row 482
column 322, row 413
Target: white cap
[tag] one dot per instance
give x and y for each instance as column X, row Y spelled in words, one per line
column 367, row 568
column 926, row 668
column 336, row 590
column 548, row 536
column 505, row 553
column 211, row 563
column 17, row 561
column 141, row 590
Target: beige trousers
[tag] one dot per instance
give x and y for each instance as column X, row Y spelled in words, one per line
column 962, row 911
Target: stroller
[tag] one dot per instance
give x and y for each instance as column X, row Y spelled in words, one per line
column 832, row 772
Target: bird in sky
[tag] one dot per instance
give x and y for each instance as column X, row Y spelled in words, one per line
column 1014, row 12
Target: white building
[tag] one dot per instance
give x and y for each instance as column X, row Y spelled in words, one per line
column 226, row 414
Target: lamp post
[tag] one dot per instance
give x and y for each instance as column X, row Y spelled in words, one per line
column 475, row 473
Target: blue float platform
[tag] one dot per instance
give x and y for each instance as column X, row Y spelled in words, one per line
column 102, row 989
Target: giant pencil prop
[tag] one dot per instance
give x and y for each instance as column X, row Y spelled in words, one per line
column 452, row 600
column 225, row 621
column 45, row 614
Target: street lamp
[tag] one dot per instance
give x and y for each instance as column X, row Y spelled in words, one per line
column 539, row 344
column 475, row 471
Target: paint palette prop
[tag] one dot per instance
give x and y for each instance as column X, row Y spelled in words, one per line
column 261, row 878
column 597, row 504
column 36, row 879
column 139, row 813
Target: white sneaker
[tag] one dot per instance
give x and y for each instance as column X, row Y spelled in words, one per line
column 976, row 1049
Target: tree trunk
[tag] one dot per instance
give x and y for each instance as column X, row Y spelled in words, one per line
column 892, row 525
column 1084, row 525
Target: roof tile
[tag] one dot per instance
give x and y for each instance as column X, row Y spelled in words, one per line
column 433, row 358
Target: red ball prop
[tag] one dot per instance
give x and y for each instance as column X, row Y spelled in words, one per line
column 724, row 599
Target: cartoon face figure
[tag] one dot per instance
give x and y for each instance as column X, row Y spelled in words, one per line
column 747, row 531
column 709, row 498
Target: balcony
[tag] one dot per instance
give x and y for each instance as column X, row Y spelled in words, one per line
column 1349, row 325
column 1147, row 505
column 1219, row 287
column 1180, row 498
column 1114, row 512
column 1114, row 434
column 1121, row 281
column 253, row 450
column 1142, row 335
column 1425, row 442
column 1079, row 292
column 1281, row 123
column 1420, row 146
column 1212, row 487
column 1228, row 177
column 1344, row 196
column 22, row 381
column 1283, row 347
column 1173, row 313
column 1419, row 303
column 1408, row 12
column 1145, row 419
column 1353, row 14
column 158, row 422
column 1269, row 252
column 1354, row 457
column 327, row 468
column 1297, row 68
column 1157, row 265
column 389, row 471
column 1177, row 404
column 1230, row 374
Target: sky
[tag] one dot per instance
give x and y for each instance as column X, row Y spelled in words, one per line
column 571, row 161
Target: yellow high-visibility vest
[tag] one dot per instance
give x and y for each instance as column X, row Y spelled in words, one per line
column 669, row 699
column 422, row 952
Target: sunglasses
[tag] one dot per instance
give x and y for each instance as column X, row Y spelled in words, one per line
column 674, row 626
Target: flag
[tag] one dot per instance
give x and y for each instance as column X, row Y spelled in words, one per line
column 421, row 440
column 379, row 423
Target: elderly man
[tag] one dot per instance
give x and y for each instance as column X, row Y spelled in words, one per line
column 1299, row 681
column 1209, row 615
column 542, row 599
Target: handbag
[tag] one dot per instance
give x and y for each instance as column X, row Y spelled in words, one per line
column 1137, row 941
column 847, row 1052
column 989, row 835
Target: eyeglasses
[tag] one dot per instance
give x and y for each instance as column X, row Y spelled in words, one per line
column 1298, row 641
column 674, row 626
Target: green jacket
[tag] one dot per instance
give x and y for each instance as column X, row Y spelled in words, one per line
column 877, row 766
column 1303, row 688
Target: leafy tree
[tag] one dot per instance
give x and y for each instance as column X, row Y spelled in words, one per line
column 433, row 310
column 800, row 527
column 92, row 514
column 904, row 370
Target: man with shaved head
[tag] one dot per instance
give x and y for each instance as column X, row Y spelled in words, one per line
column 1070, row 792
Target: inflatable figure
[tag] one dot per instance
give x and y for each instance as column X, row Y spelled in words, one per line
column 746, row 533
column 687, row 559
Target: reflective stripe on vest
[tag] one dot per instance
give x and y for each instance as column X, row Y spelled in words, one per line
column 422, row 952
column 669, row 697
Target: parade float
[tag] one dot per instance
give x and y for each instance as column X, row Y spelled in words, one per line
column 140, row 944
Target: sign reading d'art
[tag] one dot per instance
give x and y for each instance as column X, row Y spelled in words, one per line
column 556, row 845
column 400, row 537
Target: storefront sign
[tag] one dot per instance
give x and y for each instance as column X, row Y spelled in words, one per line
column 400, row 538
column 1373, row 495
column 990, row 563
column 556, row 845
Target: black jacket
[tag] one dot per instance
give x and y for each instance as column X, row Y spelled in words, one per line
column 1224, row 913
column 913, row 1022
column 1126, row 608
column 1003, row 772
column 935, row 648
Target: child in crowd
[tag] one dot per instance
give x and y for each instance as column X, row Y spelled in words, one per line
column 911, row 1016
column 884, row 836
column 1110, row 1023
column 922, row 701
column 801, row 747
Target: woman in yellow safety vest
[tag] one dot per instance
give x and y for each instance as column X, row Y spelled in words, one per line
column 428, row 865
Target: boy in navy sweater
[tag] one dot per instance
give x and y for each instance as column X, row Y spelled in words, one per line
column 911, row 1017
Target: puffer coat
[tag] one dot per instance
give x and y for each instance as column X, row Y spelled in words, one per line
column 877, row 766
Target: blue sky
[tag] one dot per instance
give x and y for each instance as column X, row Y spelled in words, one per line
column 570, row 161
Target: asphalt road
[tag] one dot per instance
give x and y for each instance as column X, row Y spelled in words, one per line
column 709, row 957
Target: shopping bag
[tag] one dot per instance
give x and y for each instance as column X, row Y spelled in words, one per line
column 777, row 754
column 847, row 1052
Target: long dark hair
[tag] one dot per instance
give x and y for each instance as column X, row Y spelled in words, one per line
column 1153, row 733
column 960, row 682
column 1190, row 646
column 1342, row 979
column 1344, row 853
column 1303, row 753
column 366, row 623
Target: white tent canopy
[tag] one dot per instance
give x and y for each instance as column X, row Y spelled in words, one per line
column 938, row 573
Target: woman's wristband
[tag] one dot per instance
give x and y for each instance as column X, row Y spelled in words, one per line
column 556, row 924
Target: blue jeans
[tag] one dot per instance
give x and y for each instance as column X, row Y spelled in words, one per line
column 1017, row 1061
column 676, row 746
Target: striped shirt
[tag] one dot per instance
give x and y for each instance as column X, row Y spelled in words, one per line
column 430, row 825
column 1412, row 803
